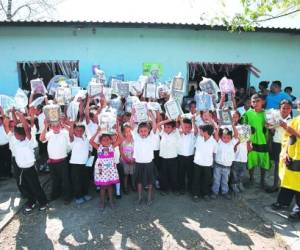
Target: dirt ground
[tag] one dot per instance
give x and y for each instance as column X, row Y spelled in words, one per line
column 172, row 222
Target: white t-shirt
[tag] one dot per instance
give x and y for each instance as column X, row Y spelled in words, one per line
column 3, row 136
column 241, row 154
column 58, row 144
column 279, row 131
column 143, row 148
column 225, row 154
column 80, row 150
column 169, row 144
column 204, row 154
column 186, row 144
column 24, row 153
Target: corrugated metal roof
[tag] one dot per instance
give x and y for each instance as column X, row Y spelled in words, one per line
column 194, row 14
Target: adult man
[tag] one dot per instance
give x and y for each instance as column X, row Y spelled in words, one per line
column 276, row 96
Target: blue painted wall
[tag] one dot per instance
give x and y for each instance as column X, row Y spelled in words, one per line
column 123, row 50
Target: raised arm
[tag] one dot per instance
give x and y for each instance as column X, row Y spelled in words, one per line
column 71, row 131
column 25, row 125
column 92, row 140
column 87, row 110
column 44, row 131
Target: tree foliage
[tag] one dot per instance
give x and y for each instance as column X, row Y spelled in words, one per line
column 26, row 9
column 255, row 12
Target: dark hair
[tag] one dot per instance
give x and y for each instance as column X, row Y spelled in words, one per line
column 278, row 83
column 103, row 136
column 207, row 128
column 143, row 125
column 225, row 131
column 288, row 88
column 264, row 84
column 257, row 96
column 79, row 125
column 192, row 103
column 125, row 125
column 171, row 123
column 187, row 121
column 18, row 129
column 284, row 101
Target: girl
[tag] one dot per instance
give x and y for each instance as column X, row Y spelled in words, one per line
column 204, row 155
column 143, row 155
column 106, row 173
column 259, row 155
column 285, row 108
column 223, row 160
column 127, row 160
column 79, row 156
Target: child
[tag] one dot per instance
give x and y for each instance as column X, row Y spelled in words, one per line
column 58, row 146
column 202, row 173
column 285, row 108
column 143, row 155
column 79, row 156
column 168, row 154
column 5, row 154
column 127, row 160
column 186, row 149
column 223, row 161
column 106, row 173
column 240, row 160
column 116, row 141
column 25, row 160
column 259, row 155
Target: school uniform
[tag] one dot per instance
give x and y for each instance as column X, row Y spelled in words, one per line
column 203, row 161
column 79, row 172
column 27, row 176
column 58, row 148
column 5, row 154
column 225, row 155
column 143, row 153
column 186, row 150
column 169, row 161
column 239, row 164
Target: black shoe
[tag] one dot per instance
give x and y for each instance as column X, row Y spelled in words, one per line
column 271, row 189
column 118, row 197
column 28, row 208
column 43, row 207
column 294, row 216
column 277, row 206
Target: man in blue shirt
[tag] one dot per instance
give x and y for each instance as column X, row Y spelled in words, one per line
column 276, row 96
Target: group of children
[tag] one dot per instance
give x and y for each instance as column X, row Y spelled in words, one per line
column 191, row 154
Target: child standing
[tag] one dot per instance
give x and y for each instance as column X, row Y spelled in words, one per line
column 106, row 173
column 204, row 155
column 58, row 146
column 127, row 160
column 186, row 149
column 79, row 156
column 25, row 160
column 168, row 154
column 259, row 155
column 224, row 157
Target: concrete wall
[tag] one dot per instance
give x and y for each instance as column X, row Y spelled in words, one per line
column 123, row 50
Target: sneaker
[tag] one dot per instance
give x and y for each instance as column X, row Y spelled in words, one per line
column 277, row 206
column 206, row 198
column 43, row 207
column 29, row 208
column 213, row 196
column 196, row 198
column 227, row 196
column 294, row 216
column 80, row 201
column 118, row 197
column 87, row 197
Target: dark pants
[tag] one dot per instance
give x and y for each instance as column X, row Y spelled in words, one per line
column 80, row 180
column 202, row 180
column 185, row 172
column 29, row 182
column 285, row 196
column 5, row 162
column 17, row 173
column 157, row 160
column 169, row 168
column 60, row 180
column 121, row 175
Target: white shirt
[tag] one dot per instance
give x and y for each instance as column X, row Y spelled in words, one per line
column 58, row 144
column 24, row 153
column 143, row 148
column 225, row 154
column 169, row 144
column 241, row 154
column 3, row 136
column 204, row 154
column 279, row 131
column 80, row 150
column 41, row 119
column 186, row 144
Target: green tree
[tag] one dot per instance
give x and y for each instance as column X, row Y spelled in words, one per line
column 255, row 12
